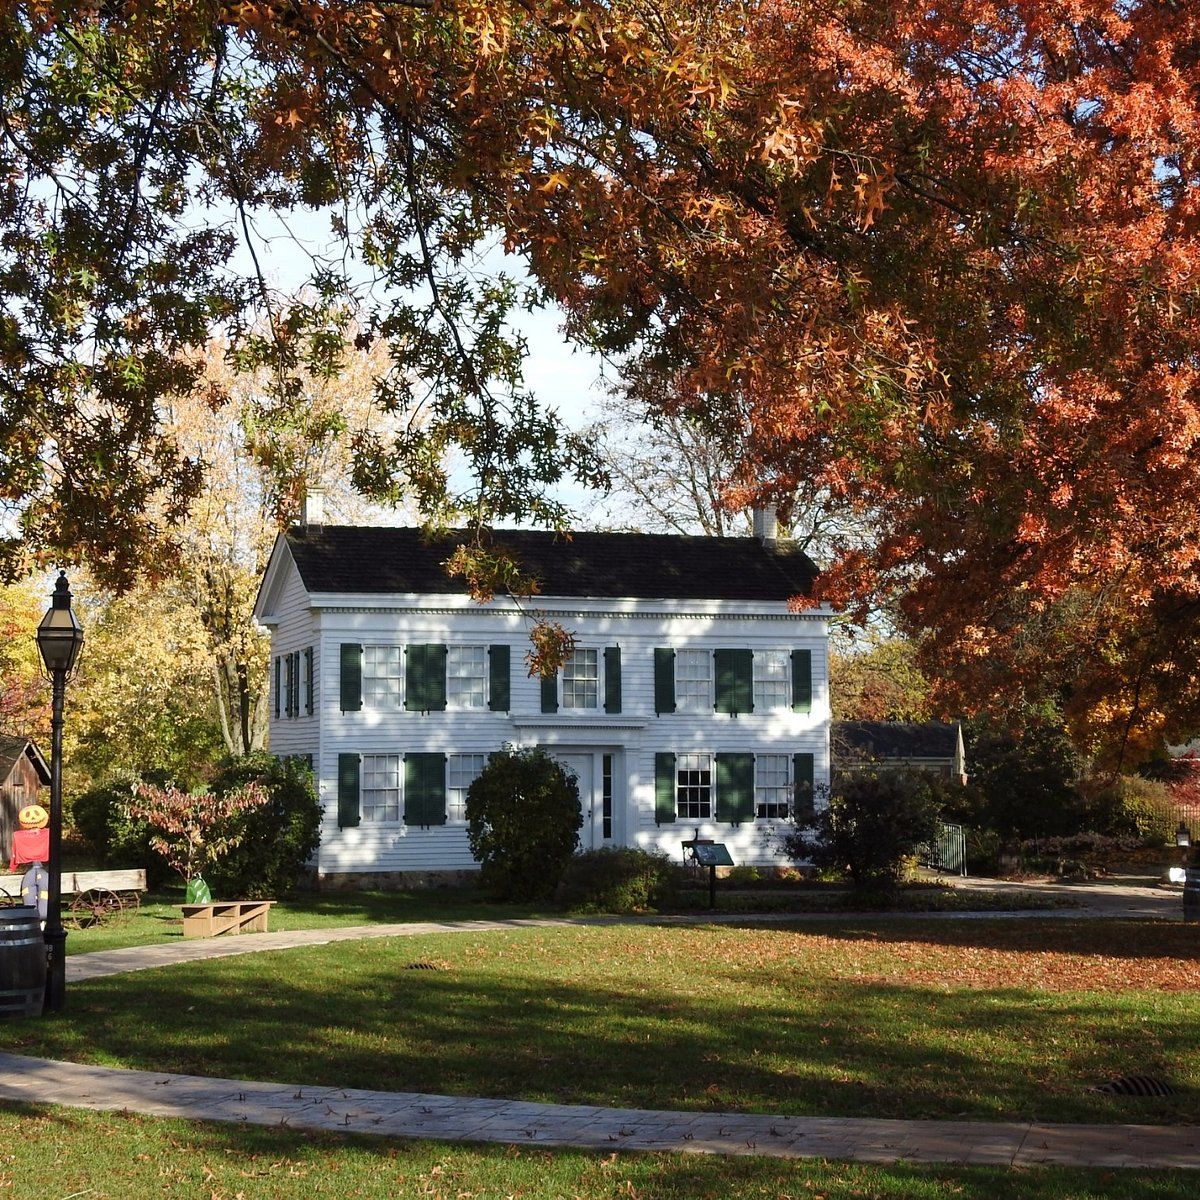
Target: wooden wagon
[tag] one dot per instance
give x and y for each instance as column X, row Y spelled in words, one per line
column 94, row 896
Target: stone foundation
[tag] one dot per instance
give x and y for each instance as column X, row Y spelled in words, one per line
column 393, row 881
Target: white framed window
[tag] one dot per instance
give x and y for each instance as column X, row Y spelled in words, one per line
column 383, row 676
column 693, row 681
column 380, row 788
column 461, row 771
column 772, row 680
column 772, row 786
column 693, row 790
column 581, row 680
column 466, row 676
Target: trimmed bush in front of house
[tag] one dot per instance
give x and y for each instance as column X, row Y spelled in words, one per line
column 276, row 840
column 616, row 879
column 873, row 823
column 523, row 821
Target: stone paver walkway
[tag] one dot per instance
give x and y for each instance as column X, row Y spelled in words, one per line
column 454, row 1118
column 417, row 1115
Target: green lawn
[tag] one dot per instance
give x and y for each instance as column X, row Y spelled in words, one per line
column 159, row 920
column 60, row 1153
column 979, row 1019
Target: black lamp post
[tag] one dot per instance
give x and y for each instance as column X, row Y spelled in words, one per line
column 59, row 638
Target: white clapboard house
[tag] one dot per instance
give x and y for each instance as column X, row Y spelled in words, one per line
column 695, row 701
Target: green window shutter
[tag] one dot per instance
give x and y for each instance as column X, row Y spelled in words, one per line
column 550, row 693
column 735, row 788
column 499, row 675
column 435, row 682
column 308, row 674
column 294, row 684
column 664, row 789
column 802, row 781
column 802, row 681
column 348, row 807
column 351, row 677
column 425, row 789
column 612, row 679
column 425, row 678
column 734, row 670
column 664, row 680
column 277, row 678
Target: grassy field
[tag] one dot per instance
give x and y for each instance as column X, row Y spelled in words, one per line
column 979, row 1019
column 69, row 1153
column 158, row 918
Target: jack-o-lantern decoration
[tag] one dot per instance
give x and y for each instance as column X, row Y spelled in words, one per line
column 33, row 816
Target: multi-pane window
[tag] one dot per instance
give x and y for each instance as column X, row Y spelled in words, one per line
column 466, row 676
column 772, row 680
column 382, row 676
column 693, row 786
column 772, row 785
column 693, row 681
column 581, row 680
column 461, row 771
column 380, row 787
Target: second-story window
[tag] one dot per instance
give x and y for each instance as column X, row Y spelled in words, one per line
column 772, row 680
column 693, row 681
column 382, row 676
column 581, row 680
column 466, row 676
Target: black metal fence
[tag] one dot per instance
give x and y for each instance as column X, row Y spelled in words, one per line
column 948, row 853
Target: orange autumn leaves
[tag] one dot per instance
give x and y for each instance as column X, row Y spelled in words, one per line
column 940, row 261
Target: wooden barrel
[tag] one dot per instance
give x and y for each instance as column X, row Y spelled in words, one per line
column 22, row 963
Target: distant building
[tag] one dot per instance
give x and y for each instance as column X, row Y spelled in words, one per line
column 928, row 746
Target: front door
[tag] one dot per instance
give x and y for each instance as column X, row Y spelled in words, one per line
column 592, row 834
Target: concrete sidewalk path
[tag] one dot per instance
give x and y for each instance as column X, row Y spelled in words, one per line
column 454, row 1118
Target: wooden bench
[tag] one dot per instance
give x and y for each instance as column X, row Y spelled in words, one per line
column 230, row 916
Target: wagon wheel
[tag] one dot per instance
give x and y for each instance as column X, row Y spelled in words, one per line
column 94, row 907
column 131, row 902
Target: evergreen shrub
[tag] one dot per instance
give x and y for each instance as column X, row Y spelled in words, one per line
column 278, row 839
column 523, row 821
column 616, row 879
column 101, row 818
column 874, row 821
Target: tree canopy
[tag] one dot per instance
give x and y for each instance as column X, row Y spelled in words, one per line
column 938, row 261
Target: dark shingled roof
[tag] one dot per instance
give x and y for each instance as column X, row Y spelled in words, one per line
column 344, row 558
column 893, row 739
column 11, row 748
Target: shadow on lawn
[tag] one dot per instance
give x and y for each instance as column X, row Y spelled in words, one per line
column 788, row 1045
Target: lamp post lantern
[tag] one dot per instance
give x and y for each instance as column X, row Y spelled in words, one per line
column 59, row 638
